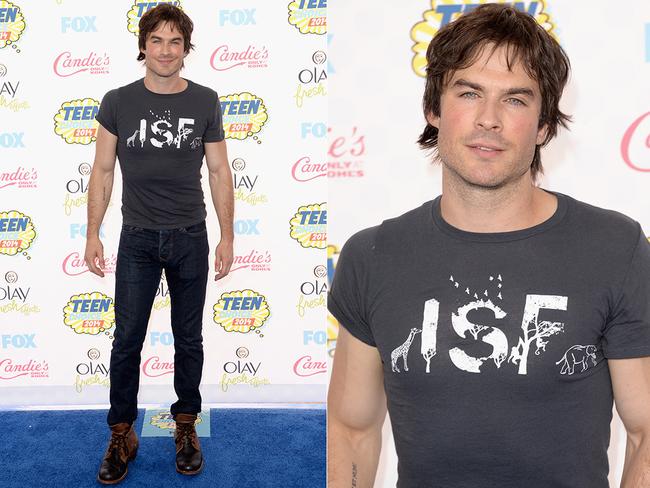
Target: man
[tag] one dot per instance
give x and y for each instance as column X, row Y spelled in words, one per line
column 160, row 127
column 498, row 322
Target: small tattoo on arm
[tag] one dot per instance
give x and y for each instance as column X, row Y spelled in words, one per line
column 354, row 475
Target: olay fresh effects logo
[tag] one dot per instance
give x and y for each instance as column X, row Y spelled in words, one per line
column 11, row 369
column 75, row 121
column 154, row 367
column 14, row 298
column 308, row 226
column 89, row 313
column 68, row 64
column 242, row 371
column 313, row 292
column 241, row 311
column 635, row 145
column 8, row 90
column 309, row 16
column 91, row 371
column 12, row 24
column 305, row 170
column 75, row 265
column 162, row 300
column 307, row 366
column 19, row 177
column 76, row 194
column 227, row 57
column 244, row 115
column 346, row 153
column 139, row 8
column 244, row 184
column 311, row 80
column 444, row 11
column 253, row 260
column 17, row 233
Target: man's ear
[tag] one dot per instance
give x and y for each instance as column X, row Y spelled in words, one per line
column 433, row 120
column 541, row 134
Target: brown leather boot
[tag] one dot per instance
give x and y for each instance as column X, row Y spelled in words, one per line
column 122, row 448
column 189, row 459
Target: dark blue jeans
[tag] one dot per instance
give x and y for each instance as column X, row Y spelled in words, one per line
column 142, row 255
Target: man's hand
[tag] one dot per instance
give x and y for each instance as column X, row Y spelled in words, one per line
column 95, row 254
column 223, row 259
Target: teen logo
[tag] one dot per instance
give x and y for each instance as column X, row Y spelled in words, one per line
column 76, row 195
column 244, row 115
column 305, row 366
column 308, row 226
column 309, row 16
column 74, row 264
column 75, row 121
column 244, row 184
column 313, row 292
column 305, row 170
column 89, row 313
column 635, row 145
column 346, row 154
column 154, row 367
column 66, row 64
column 443, row 12
column 241, row 311
column 17, row 233
column 12, row 24
column 226, row 57
column 311, row 80
column 242, row 371
column 91, row 372
column 139, row 8
column 19, row 178
column 252, row 260
column 10, row 369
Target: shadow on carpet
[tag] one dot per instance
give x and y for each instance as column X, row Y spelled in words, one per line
column 248, row 448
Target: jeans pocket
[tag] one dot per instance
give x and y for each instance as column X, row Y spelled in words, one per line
column 196, row 230
column 131, row 228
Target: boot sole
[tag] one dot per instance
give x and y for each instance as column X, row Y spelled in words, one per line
column 191, row 473
column 126, row 471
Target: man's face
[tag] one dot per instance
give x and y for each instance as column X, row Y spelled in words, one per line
column 488, row 123
column 164, row 51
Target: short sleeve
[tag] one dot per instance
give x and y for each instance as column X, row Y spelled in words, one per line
column 107, row 115
column 214, row 130
column 627, row 334
column 348, row 296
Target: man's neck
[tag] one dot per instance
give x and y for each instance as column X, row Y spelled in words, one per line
column 164, row 85
column 518, row 205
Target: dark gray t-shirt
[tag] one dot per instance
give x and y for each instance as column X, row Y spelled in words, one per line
column 160, row 149
column 495, row 346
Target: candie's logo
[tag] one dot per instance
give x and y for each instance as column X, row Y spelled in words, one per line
column 16, row 232
column 89, row 313
column 635, row 145
column 226, row 57
column 444, row 11
column 139, row 8
column 66, row 64
column 12, row 24
column 309, row 16
column 241, row 311
column 309, row 225
column 306, row 366
column 10, row 370
column 75, row 121
column 244, row 115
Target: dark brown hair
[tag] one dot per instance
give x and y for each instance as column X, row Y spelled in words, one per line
column 165, row 13
column 458, row 44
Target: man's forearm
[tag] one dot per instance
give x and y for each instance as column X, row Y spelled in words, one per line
column 636, row 472
column 99, row 194
column 352, row 457
column 224, row 202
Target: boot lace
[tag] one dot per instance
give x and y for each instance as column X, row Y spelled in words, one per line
column 185, row 433
column 118, row 443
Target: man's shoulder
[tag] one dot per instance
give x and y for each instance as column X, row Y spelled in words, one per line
column 597, row 220
column 199, row 89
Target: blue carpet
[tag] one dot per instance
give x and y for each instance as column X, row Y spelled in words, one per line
column 248, row 448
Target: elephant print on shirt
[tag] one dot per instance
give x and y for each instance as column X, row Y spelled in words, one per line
column 577, row 355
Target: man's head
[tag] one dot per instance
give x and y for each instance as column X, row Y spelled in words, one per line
column 165, row 39
column 493, row 86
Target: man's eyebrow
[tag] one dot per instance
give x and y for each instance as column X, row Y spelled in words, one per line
column 154, row 36
column 510, row 91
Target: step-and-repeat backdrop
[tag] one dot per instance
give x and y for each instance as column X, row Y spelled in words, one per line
column 376, row 170
column 264, row 324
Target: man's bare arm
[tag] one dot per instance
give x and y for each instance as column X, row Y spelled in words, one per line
column 631, row 384
column 356, row 409
column 220, row 178
column 99, row 194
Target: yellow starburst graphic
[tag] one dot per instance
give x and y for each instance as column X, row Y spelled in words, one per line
column 308, row 20
column 244, row 116
column 14, row 24
column 16, row 232
column 82, row 131
column 136, row 12
column 308, row 226
column 241, row 311
column 89, row 313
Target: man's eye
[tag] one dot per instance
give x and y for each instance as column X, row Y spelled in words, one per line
column 469, row 95
column 515, row 101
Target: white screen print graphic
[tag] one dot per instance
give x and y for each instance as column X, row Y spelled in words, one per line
column 533, row 330
column 161, row 131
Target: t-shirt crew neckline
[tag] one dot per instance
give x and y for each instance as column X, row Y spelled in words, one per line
column 166, row 95
column 515, row 235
